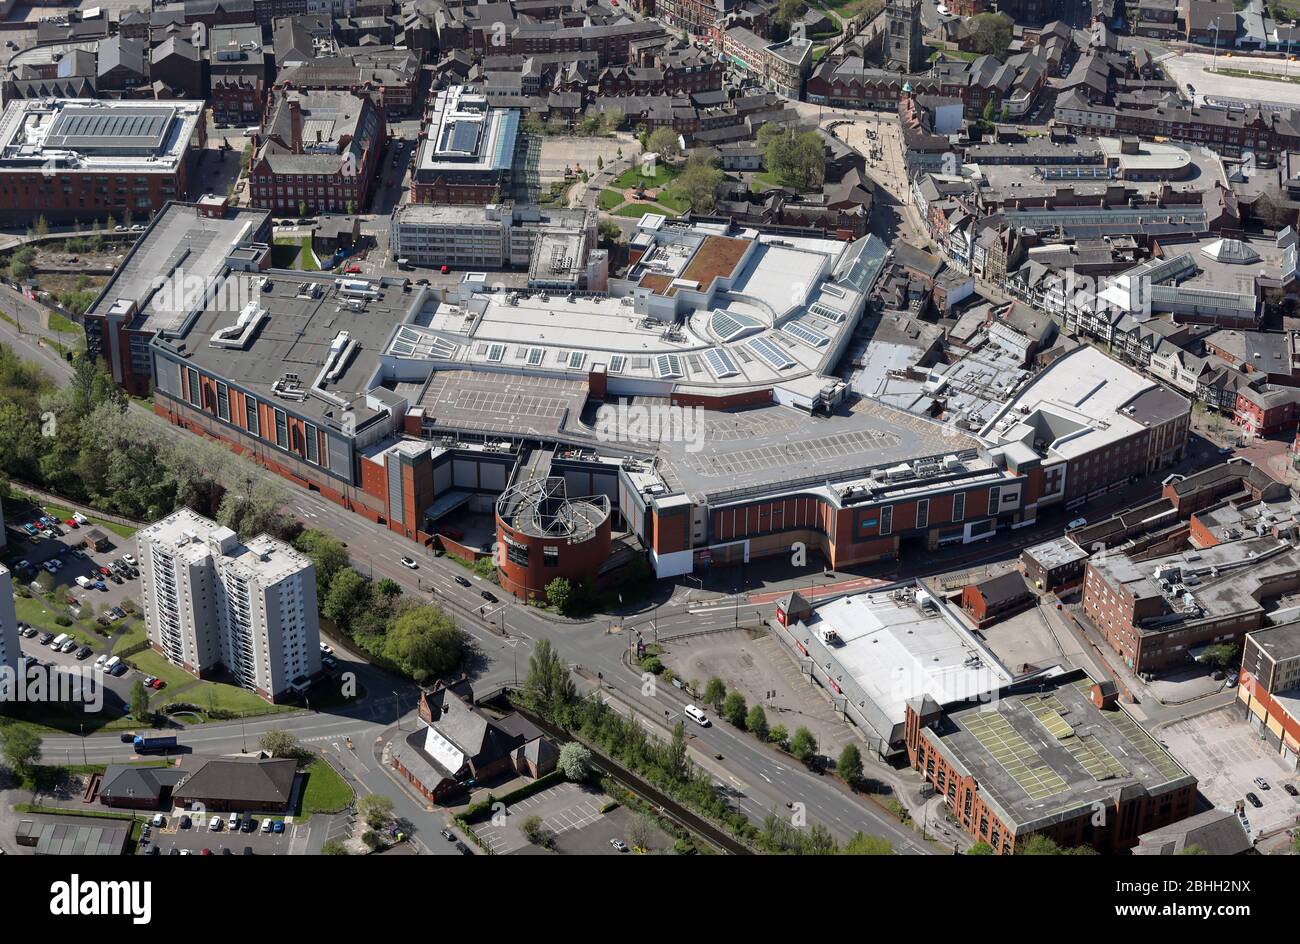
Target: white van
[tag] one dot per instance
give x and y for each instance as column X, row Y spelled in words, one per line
column 112, row 663
column 83, row 582
column 697, row 715
column 57, row 642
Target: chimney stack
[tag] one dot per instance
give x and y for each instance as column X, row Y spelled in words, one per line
column 295, row 123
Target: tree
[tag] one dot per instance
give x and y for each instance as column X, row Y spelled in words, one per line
column 424, row 642
column 600, row 162
column 548, row 687
column 862, row 844
column 334, row 848
column 715, row 692
column 21, row 747
column 257, row 509
column 536, row 833
column 665, row 142
column 347, row 593
column 698, row 185
column 803, row 745
column 609, row 231
column 797, row 159
column 1221, row 656
column 574, row 762
column 640, row 831
column 734, row 708
column 42, row 227
column 990, row 34
column 326, row 552
column 1192, row 849
column 980, row 849
column 676, row 761
column 139, row 701
column 559, row 593
column 756, row 721
column 849, row 765
column 279, row 743
column 777, row 734
column 376, row 809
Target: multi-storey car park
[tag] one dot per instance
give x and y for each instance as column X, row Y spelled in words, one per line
column 696, row 391
column 87, row 159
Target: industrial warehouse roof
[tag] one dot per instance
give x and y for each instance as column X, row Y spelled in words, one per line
column 1042, row 751
column 896, row 645
column 169, row 267
column 92, row 135
column 327, row 331
column 1080, row 403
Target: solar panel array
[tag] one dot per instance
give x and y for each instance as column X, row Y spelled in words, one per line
column 729, row 326
column 720, row 363
column 576, row 360
column 535, row 355
column 825, row 311
column 496, row 352
column 765, row 349
column 617, row 363
column 801, row 332
column 668, row 366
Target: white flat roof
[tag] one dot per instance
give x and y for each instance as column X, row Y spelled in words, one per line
column 896, row 652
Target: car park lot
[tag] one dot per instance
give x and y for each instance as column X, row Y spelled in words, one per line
column 199, row 837
column 562, row 808
column 1226, row 756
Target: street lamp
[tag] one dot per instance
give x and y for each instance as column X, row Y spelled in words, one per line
column 1214, row 59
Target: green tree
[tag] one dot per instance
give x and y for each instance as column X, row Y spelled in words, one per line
column 803, row 745
column 279, row 743
column 548, row 687
column 376, row 809
column 676, row 762
column 600, row 162
column 20, row 746
column 334, row 847
column 347, row 593
column 980, row 849
column 862, row 844
column 991, row 34
column 1220, row 656
column 559, row 593
column 714, row 693
column 327, row 553
column 698, row 185
column 665, row 142
column 1192, row 849
column 424, row 642
column 849, row 766
column 256, row 509
column 139, row 701
column 756, row 722
column 574, row 762
column 777, row 734
column 734, row 708
column 537, row 833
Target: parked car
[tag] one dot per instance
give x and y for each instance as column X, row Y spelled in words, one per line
column 84, row 652
column 266, row 825
column 185, row 822
column 159, row 820
column 1262, row 783
column 1077, row 523
column 618, row 845
column 158, row 684
column 448, row 835
column 1290, row 788
column 129, row 560
column 45, row 638
column 277, row 826
column 214, row 824
column 1254, row 800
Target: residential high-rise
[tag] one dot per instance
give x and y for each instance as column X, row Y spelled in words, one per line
column 903, row 36
column 8, row 630
column 211, row 601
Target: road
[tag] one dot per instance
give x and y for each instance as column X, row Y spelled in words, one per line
column 1195, row 69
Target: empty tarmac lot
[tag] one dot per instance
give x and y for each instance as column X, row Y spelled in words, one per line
column 564, row 807
column 1226, row 755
